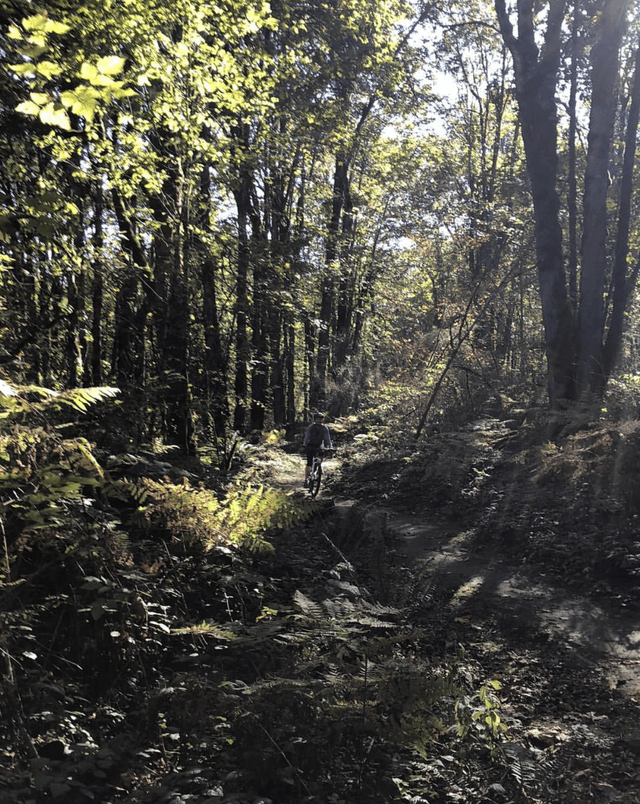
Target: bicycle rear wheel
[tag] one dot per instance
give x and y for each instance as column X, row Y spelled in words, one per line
column 314, row 482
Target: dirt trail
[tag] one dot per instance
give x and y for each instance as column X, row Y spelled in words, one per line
column 569, row 664
column 596, row 634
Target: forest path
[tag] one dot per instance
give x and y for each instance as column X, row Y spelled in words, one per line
column 480, row 583
column 568, row 665
column 286, row 471
column 567, row 661
column 519, row 598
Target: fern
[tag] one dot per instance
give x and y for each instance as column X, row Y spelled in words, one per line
column 529, row 773
column 20, row 399
column 195, row 515
column 308, row 607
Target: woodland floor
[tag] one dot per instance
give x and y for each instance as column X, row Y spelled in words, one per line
column 560, row 633
column 346, row 662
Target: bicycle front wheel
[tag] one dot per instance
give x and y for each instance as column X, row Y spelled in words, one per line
column 314, row 485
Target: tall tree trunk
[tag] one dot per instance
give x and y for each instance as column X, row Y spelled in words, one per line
column 126, row 338
column 318, row 393
column 289, row 360
column 278, row 202
column 346, row 284
column 176, row 357
column 572, row 191
column 535, row 79
column 215, row 363
column 241, row 386
column 604, row 75
column 98, row 289
column 623, row 285
column 130, row 314
column 259, row 340
column 310, row 339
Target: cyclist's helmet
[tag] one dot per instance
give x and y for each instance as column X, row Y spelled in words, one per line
column 318, row 417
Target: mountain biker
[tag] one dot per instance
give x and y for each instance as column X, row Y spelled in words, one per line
column 316, row 435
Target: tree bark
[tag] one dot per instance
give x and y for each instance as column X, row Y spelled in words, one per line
column 604, row 75
column 623, row 285
column 535, row 78
column 215, row 363
column 241, row 385
column 98, row 289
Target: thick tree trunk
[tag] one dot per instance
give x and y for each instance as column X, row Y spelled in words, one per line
column 215, row 363
column 604, row 75
column 623, row 285
column 535, row 88
column 578, row 364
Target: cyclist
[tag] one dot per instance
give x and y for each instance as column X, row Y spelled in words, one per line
column 316, row 436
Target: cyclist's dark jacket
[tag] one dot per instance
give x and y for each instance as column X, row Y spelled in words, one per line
column 316, row 435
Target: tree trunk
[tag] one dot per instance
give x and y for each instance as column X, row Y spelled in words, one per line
column 241, row 386
column 98, row 290
column 289, row 361
column 535, row 89
column 604, row 75
column 130, row 314
column 318, row 393
column 623, row 286
column 572, row 190
column 215, row 363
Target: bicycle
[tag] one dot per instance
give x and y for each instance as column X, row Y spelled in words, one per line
column 315, row 475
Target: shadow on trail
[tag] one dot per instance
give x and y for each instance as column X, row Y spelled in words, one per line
column 519, row 597
column 568, row 665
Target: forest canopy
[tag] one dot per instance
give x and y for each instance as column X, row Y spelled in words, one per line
column 238, row 212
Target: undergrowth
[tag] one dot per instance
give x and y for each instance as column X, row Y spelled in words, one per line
column 151, row 623
column 163, row 640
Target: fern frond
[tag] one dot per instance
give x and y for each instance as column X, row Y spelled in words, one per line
column 81, row 399
column 529, row 773
column 372, row 622
column 307, row 606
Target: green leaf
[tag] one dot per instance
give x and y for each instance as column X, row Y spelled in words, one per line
column 28, row 107
column 41, row 98
column 23, row 69
column 122, row 93
column 54, row 114
column 36, row 23
column 111, row 65
column 82, row 100
column 48, row 69
column 102, row 81
column 88, row 72
column 56, row 27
